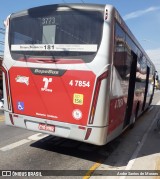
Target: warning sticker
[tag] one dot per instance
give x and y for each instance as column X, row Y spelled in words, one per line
column 78, row 99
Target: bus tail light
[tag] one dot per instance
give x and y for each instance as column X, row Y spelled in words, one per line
column 88, row 133
column 82, row 127
column 96, row 94
column 11, row 119
column 7, row 87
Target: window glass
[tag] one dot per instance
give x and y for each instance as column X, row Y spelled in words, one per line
column 67, row 28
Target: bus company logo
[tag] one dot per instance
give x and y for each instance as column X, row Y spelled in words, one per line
column 77, row 114
column 46, row 83
column 22, row 79
column 47, row 72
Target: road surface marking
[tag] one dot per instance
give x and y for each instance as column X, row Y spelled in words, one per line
column 34, row 137
column 37, row 136
column 14, row 145
column 91, row 170
column 135, row 154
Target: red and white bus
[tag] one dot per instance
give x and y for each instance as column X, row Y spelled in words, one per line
column 74, row 71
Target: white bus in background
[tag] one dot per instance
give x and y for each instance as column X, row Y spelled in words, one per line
column 74, row 71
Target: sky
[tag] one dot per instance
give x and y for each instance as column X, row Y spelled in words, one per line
column 141, row 16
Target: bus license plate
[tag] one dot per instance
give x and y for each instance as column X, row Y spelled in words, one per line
column 45, row 127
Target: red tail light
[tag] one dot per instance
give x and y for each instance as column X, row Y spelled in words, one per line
column 7, row 87
column 11, row 118
column 96, row 94
column 88, row 133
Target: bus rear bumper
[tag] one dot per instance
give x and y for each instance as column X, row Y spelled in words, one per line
column 97, row 135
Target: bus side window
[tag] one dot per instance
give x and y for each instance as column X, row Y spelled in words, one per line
column 119, row 51
column 123, row 57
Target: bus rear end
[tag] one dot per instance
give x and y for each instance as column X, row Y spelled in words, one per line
column 51, row 86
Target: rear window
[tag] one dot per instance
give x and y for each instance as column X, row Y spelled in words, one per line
column 59, row 34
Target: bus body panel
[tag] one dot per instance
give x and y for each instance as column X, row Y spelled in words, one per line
column 61, row 129
column 52, row 91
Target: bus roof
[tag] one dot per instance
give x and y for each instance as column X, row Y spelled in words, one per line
column 51, row 7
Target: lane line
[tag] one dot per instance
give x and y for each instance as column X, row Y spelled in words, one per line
column 91, row 170
column 34, row 137
column 136, row 152
column 37, row 136
column 14, row 145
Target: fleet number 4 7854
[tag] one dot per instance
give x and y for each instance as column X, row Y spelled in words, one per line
column 79, row 83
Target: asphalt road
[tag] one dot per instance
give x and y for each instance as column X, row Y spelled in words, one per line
column 26, row 150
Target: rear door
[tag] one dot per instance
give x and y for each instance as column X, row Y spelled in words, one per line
column 131, row 90
column 146, row 95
